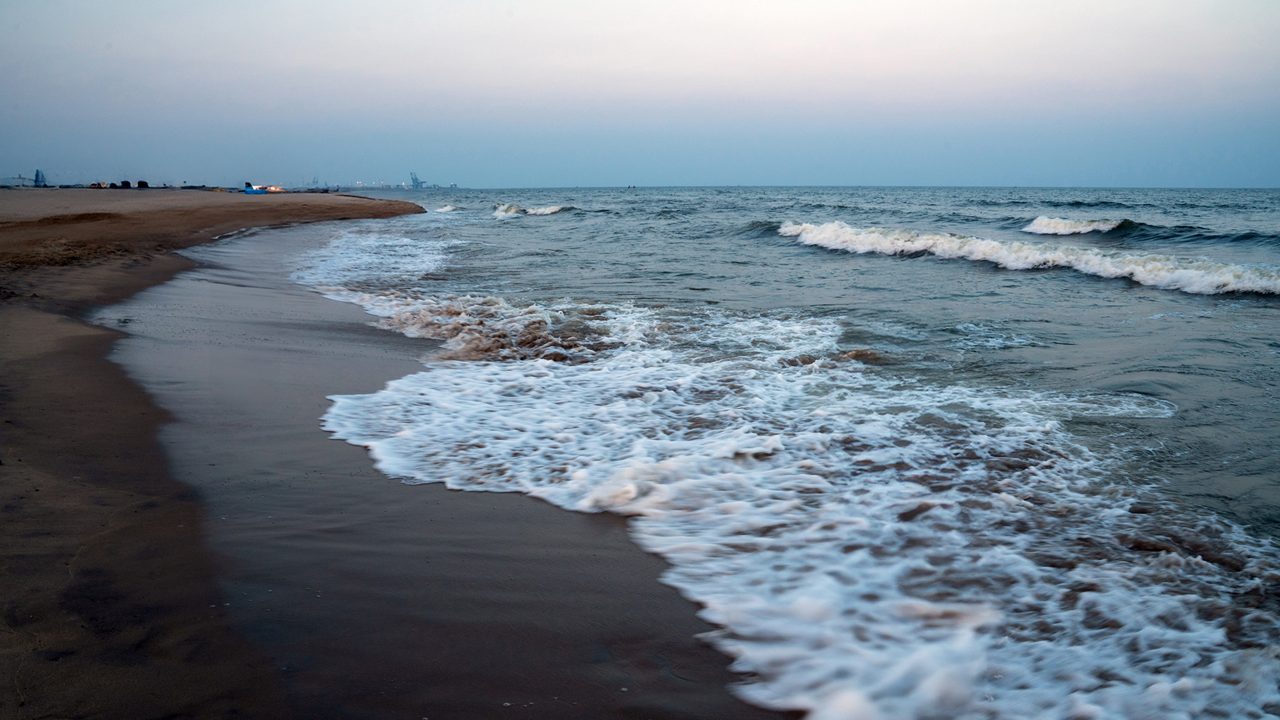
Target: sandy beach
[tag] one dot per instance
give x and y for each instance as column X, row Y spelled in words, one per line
column 204, row 550
column 724, row 361
column 109, row 603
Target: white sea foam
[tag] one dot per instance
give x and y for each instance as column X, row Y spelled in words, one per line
column 362, row 255
column 447, row 208
column 1044, row 225
column 549, row 210
column 1192, row 275
column 871, row 546
column 509, row 210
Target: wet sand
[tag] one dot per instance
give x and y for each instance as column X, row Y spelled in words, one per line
column 339, row 592
column 376, row 599
column 108, row 603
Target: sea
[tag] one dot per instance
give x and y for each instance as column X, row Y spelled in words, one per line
column 914, row 452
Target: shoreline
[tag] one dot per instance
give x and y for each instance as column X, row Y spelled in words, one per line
column 110, row 605
column 173, row 599
column 369, row 595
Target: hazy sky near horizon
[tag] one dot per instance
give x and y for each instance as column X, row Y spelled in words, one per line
column 499, row 93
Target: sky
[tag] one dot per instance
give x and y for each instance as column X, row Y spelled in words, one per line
column 564, row 93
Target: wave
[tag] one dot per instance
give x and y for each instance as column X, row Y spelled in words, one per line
column 1132, row 230
column 824, row 206
column 1199, row 276
column 757, row 229
column 868, row 545
column 1092, row 204
column 508, row 210
column 1112, row 204
column 549, row 210
column 1191, row 234
column 1045, row 225
column 982, row 202
column 359, row 256
column 448, row 208
column 490, row 329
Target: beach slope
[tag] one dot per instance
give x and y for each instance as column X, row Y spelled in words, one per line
column 108, row 604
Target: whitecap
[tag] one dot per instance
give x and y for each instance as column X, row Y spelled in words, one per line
column 549, row 210
column 509, row 210
column 1044, row 225
column 1192, row 275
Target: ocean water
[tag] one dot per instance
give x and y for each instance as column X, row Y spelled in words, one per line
column 917, row 453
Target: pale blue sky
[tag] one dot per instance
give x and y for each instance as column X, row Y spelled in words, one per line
column 660, row 92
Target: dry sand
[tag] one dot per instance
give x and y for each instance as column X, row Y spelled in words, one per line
column 66, row 227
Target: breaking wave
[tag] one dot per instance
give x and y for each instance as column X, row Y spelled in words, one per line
column 870, row 546
column 1200, row 276
column 1133, row 231
column 488, row 328
column 508, row 210
column 1044, row 225
column 448, row 208
column 550, row 210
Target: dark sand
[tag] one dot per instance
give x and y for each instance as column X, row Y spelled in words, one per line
column 108, row 605
column 340, row 592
